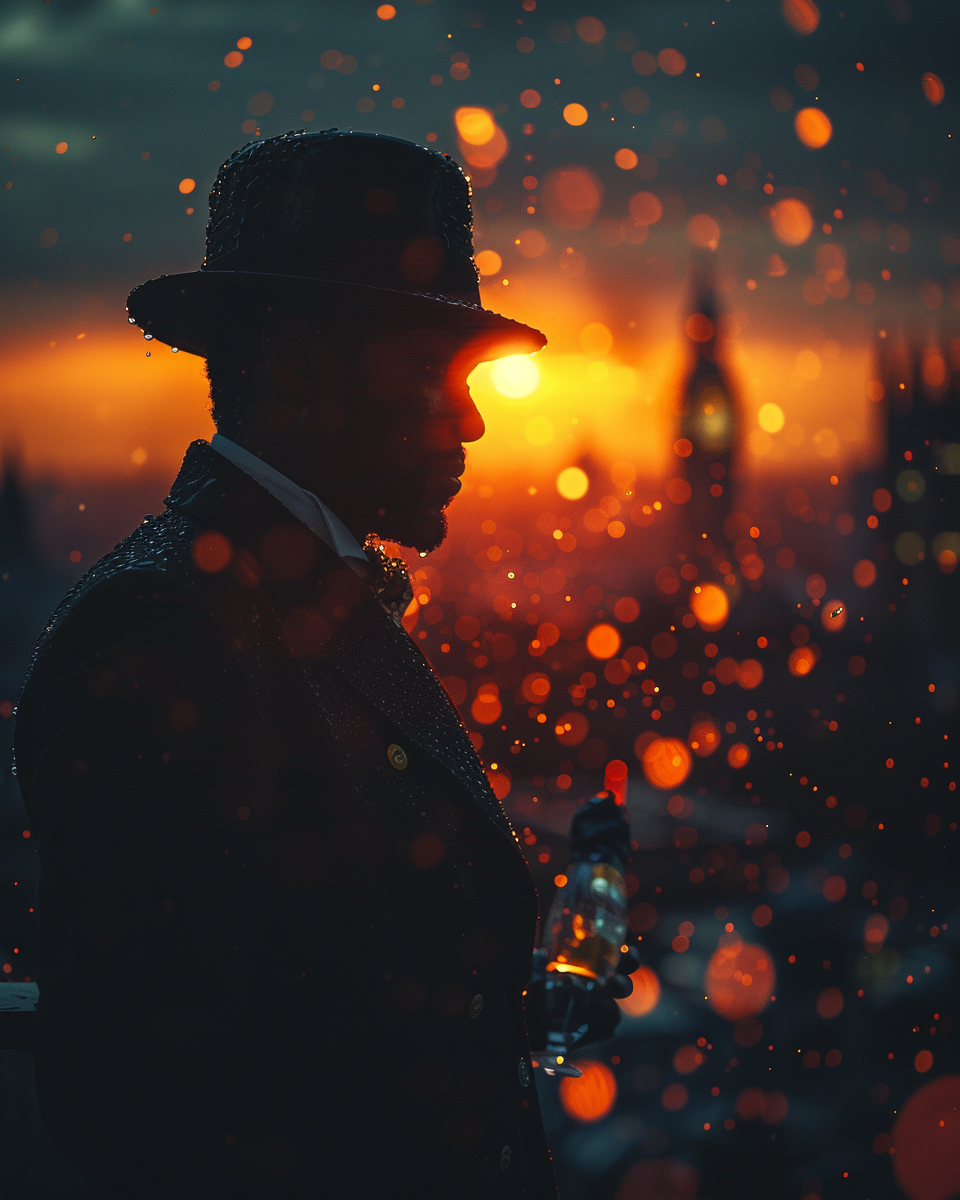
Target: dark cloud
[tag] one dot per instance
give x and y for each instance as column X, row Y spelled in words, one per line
column 129, row 93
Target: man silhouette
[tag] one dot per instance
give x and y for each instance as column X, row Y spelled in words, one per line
column 286, row 926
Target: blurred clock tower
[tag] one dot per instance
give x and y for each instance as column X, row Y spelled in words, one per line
column 708, row 430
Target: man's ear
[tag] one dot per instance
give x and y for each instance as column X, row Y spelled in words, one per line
column 301, row 356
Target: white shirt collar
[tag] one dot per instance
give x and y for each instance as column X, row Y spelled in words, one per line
column 304, row 505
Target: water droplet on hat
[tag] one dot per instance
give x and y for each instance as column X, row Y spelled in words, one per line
column 148, row 337
column 131, row 320
column 148, row 354
column 175, row 349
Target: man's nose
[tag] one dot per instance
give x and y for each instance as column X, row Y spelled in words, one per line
column 471, row 424
column 459, row 422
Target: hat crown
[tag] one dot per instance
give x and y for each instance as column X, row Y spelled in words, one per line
column 357, row 220
column 354, row 207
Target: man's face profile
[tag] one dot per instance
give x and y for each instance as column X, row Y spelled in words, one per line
column 373, row 420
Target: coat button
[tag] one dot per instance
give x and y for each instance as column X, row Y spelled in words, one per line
column 476, row 1004
column 397, row 756
column 523, row 1071
column 505, row 1155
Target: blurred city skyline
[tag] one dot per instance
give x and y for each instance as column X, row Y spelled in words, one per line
column 675, row 132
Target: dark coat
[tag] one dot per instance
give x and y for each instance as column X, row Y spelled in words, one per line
column 285, row 923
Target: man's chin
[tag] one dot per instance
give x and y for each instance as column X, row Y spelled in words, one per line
column 422, row 529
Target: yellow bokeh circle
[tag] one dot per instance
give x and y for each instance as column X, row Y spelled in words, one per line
column 771, row 418
column 572, row 483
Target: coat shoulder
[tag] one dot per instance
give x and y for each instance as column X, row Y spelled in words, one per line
column 148, row 589
column 151, row 571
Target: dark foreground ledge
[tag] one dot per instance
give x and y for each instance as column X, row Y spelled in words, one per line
column 18, row 1015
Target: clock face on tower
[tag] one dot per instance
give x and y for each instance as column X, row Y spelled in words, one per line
column 708, row 422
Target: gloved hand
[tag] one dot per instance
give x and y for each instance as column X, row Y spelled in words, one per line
column 603, row 1013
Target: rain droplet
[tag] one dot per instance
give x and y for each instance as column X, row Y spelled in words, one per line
column 131, row 320
column 148, row 354
column 837, row 611
column 148, row 337
column 175, row 349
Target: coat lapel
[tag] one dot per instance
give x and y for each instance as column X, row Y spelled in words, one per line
column 375, row 656
column 383, row 662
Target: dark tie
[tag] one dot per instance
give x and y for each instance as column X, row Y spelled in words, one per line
column 390, row 581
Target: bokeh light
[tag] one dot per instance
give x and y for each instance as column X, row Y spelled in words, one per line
column 740, row 978
column 813, row 127
column 596, row 339
column 802, row 660
column 572, row 483
column 933, row 88
column 645, row 995
column 926, row 1138
column 704, row 231
column 750, row 674
column 833, row 615
column 591, row 1096
column 770, row 417
column 671, row 62
column 666, row 762
column 864, row 572
column 699, row 328
column 801, row 15
column 475, row 125
column 704, row 737
column 710, row 605
column 646, row 208
column 603, row 640
column 829, row 1003
column 488, row 262
column 792, row 221
column 486, row 708
column 571, row 197
column 536, row 687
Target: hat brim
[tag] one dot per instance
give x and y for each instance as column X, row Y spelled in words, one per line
column 178, row 310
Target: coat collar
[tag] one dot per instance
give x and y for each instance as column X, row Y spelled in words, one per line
column 376, row 657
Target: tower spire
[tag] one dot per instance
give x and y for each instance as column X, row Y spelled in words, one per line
column 708, row 417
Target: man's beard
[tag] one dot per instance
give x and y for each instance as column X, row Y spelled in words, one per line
column 422, row 529
column 414, row 514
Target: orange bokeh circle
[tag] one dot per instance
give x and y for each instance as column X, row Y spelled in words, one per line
column 704, row 737
column 740, row 979
column 645, row 995
column 591, row 1096
column 813, row 127
column 666, row 762
column 603, row 641
column 711, row 606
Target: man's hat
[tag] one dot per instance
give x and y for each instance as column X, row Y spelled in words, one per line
column 358, row 219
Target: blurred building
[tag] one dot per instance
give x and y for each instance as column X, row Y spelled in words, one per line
column 709, row 431
column 917, row 494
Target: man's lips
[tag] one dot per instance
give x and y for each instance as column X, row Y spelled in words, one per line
column 449, row 471
column 443, row 479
